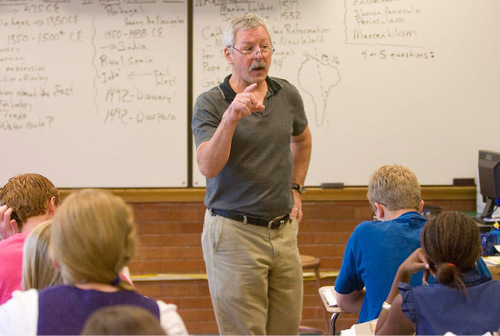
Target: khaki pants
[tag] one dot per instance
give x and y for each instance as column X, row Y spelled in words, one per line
column 254, row 276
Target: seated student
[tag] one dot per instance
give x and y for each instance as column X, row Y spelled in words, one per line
column 463, row 302
column 93, row 237
column 377, row 248
column 122, row 320
column 38, row 271
column 30, row 199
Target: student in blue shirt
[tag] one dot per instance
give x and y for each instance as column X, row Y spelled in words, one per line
column 463, row 301
column 377, row 248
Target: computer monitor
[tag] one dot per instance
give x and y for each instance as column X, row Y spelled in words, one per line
column 489, row 180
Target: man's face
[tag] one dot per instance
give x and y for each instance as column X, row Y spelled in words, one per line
column 253, row 67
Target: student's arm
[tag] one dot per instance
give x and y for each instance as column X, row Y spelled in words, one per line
column 301, row 152
column 393, row 321
column 212, row 155
column 19, row 315
column 351, row 302
column 170, row 320
column 349, row 285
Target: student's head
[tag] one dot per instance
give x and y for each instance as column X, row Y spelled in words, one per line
column 396, row 187
column 38, row 271
column 93, row 237
column 122, row 320
column 29, row 195
column 452, row 243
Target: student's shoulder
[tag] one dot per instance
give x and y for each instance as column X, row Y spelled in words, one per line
column 365, row 231
column 369, row 226
column 495, row 284
column 21, row 300
column 16, row 239
column 18, row 316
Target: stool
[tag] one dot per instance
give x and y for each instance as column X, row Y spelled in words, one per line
column 310, row 262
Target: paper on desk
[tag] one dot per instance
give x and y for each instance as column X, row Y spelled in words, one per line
column 330, row 297
column 361, row 329
column 492, row 260
column 366, row 328
column 348, row 332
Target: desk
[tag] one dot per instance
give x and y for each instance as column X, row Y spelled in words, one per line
column 334, row 310
column 493, row 268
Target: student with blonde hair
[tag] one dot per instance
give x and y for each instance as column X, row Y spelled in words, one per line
column 38, row 271
column 93, row 237
column 376, row 248
column 463, row 302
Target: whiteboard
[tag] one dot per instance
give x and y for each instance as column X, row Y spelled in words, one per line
column 384, row 82
column 94, row 93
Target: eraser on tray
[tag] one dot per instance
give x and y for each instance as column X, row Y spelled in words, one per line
column 332, row 185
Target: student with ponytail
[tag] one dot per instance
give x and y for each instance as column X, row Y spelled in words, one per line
column 463, row 301
column 93, row 237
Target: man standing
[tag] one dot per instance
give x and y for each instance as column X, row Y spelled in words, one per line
column 27, row 200
column 253, row 145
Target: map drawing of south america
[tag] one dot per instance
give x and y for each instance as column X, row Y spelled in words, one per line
column 317, row 78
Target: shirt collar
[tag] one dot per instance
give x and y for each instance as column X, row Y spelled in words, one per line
column 411, row 214
column 472, row 277
column 229, row 94
column 412, row 218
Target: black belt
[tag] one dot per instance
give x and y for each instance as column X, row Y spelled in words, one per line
column 274, row 223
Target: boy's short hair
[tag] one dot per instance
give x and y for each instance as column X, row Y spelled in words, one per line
column 28, row 195
column 396, row 187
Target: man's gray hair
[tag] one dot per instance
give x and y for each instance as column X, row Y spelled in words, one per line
column 242, row 23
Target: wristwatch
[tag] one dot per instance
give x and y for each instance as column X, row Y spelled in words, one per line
column 299, row 187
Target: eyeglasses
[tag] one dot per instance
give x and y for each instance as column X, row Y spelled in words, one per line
column 252, row 52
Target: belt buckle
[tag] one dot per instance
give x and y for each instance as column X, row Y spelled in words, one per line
column 276, row 220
